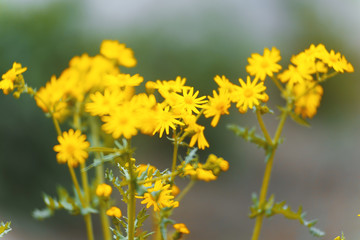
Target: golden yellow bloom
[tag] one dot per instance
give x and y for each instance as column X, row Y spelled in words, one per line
column 9, row 78
column 104, row 104
column 123, row 80
column 103, row 190
column 159, row 196
column 308, row 99
column 142, row 168
column 114, row 50
column 121, row 122
column 218, row 105
column 181, row 227
column 262, row 66
column 114, row 212
column 249, row 94
column 198, row 137
column 188, row 101
column 175, row 190
column 205, row 175
column 165, row 119
column 72, row 148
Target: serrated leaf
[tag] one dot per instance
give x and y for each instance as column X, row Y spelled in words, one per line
column 141, row 217
column 42, row 214
column 249, row 135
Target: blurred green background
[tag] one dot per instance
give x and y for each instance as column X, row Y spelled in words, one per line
column 316, row 167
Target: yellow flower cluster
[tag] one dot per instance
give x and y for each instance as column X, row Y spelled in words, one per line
column 12, row 78
column 308, row 69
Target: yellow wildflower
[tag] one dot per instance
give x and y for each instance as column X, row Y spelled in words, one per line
column 198, row 136
column 165, row 119
column 181, row 227
column 262, row 66
column 188, row 101
column 142, row 168
column 104, row 104
column 218, row 105
column 114, row 212
column 72, row 148
column 114, row 50
column 308, row 99
column 159, row 196
column 249, row 94
column 121, row 122
column 123, row 80
column 9, row 78
column 205, row 175
column 103, row 190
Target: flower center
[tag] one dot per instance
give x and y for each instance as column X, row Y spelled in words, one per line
column 264, row 64
column 248, row 93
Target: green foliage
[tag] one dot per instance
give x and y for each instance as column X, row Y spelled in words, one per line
column 4, row 228
column 296, row 118
column 64, row 201
column 272, row 208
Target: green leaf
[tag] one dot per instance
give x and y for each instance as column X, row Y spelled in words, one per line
column 249, row 135
column 271, row 208
column 141, row 217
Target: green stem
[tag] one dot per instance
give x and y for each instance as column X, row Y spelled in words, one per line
column 263, row 127
column 131, row 204
column 99, row 171
column 267, row 174
column 185, row 191
column 174, row 159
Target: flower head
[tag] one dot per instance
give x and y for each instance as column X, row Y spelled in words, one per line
column 103, row 190
column 181, row 227
column 114, row 212
column 114, row 50
column 10, row 77
column 250, row 93
column 265, row 65
column 72, row 148
column 159, row 196
column 218, row 105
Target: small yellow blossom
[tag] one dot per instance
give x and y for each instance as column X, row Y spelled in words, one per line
column 262, row 66
column 218, row 105
column 72, row 148
column 181, row 227
column 104, row 104
column 175, row 190
column 165, row 119
column 308, row 99
column 189, row 102
column 103, row 190
column 9, row 78
column 159, row 196
column 123, row 80
column 114, row 212
column 250, row 93
column 205, row 175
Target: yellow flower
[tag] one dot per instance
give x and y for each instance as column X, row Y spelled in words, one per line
column 181, row 227
column 104, row 104
column 188, row 101
column 121, row 122
column 114, row 212
column 198, row 136
column 165, row 119
column 249, row 94
column 72, row 148
column 308, row 99
column 159, row 196
column 114, row 50
column 205, row 175
column 123, row 80
column 10, row 77
column 218, row 105
column 103, row 190
column 142, row 168
column 262, row 66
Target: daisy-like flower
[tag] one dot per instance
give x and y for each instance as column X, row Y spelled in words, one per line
column 198, row 137
column 122, row 122
column 188, row 101
column 72, row 148
column 165, row 120
column 218, row 105
column 265, row 65
column 104, row 104
column 114, row 212
column 224, row 83
column 159, row 196
column 250, row 93
column 9, row 78
column 123, row 80
column 294, row 75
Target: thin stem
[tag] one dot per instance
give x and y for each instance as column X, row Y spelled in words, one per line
column 99, row 171
column 77, row 186
column 263, row 127
column 175, row 153
column 267, row 174
column 131, row 205
column 186, row 190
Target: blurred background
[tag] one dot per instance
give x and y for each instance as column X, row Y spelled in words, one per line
column 315, row 167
